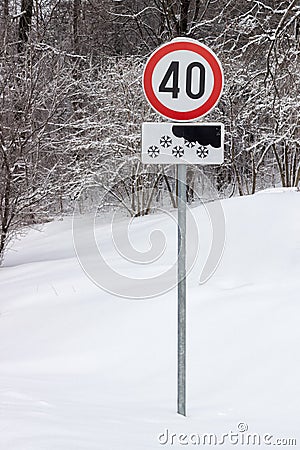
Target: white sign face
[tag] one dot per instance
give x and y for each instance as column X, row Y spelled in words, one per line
column 181, row 143
column 183, row 80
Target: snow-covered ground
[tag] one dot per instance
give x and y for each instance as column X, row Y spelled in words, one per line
column 81, row 369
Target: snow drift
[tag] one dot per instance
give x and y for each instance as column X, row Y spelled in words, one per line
column 82, row 369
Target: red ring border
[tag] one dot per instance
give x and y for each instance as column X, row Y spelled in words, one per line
column 183, row 115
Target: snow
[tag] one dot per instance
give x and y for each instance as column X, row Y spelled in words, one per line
column 82, row 369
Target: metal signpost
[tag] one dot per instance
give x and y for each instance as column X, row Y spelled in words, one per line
column 183, row 80
column 181, row 289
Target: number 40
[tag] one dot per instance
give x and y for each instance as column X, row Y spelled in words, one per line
column 173, row 72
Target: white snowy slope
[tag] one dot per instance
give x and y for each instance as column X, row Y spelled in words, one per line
column 81, row 369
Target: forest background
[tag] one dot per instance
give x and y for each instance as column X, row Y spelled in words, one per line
column 71, row 103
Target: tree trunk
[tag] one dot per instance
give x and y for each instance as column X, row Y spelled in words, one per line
column 25, row 23
column 183, row 21
column 5, row 10
column 76, row 15
column 280, row 167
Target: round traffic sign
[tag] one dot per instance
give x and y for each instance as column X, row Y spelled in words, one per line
column 183, row 80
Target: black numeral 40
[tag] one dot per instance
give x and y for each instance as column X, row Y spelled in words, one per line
column 173, row 74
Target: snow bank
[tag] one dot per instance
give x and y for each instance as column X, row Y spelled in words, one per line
column 81, row 369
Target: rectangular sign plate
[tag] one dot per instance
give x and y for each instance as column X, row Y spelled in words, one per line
column 182, row 143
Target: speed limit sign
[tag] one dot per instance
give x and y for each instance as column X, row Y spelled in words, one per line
column 183, row 80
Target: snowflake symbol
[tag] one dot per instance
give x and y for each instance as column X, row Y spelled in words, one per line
column 178, row 151
column 189, row 144
column 165, row 141
column 153, row 151
column 202, row 152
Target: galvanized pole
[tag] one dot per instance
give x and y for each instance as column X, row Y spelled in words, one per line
column 181, row 367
